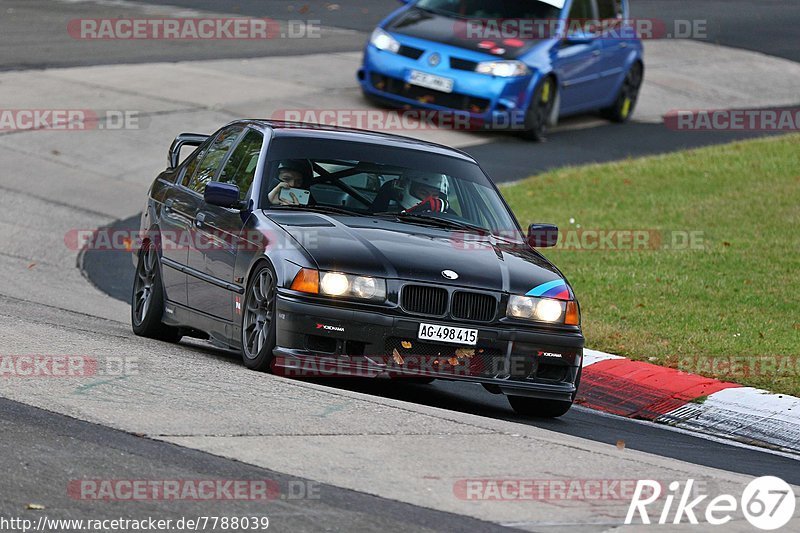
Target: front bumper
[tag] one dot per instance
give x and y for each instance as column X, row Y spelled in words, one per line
column 487, row 101
column 317, row 340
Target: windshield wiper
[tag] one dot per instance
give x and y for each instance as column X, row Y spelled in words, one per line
column 434, row 221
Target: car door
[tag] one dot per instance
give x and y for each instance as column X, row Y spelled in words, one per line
column 175, row 222
column 221, row 229
column 200, row 290
column 578, row 59
column 615, row 41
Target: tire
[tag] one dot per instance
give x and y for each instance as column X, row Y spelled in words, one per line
column 147, row 299
column 419, row 380
column 622, row 108
column 258, row 320
column 536, row 407
column 540, row 110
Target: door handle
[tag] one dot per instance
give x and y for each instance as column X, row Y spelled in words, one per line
column 596, row 53
column 199, row 219
column 623, row 45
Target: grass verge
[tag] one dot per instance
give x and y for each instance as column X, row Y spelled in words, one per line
column 709, row 279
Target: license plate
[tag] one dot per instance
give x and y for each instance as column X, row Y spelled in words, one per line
column 432, row 332
column 429, row 81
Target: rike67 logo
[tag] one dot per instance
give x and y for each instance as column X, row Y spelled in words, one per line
column 767, row 502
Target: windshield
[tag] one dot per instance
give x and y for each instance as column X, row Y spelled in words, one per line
column 503, row 9
column 364, row 179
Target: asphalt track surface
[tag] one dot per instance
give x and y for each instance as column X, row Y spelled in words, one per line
column 112, row 272
column 509, row 158
column 34, row 33
column 34, row 36
column 38, row 445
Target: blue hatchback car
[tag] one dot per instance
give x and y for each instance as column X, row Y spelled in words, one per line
column 507, row 64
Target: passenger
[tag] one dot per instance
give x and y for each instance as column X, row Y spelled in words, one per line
column 292, row 174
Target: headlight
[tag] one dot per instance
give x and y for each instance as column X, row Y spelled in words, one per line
column 339, row 285
column 334, row 284
column 503, row 69
column 364, row 287
column 543, row 310
column 383, row 41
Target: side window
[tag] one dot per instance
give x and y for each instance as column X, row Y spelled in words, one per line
column 213, row 158
column 191, row 166
column 610, row 14
column 241, row 166
column 581, row 16
column 609, row 9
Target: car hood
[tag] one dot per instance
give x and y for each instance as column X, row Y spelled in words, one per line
column 422, row 24
column 386, row 248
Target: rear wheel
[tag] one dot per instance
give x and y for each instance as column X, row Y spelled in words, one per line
column 258, row 320
column 540, row 110
column 622, row 108
column 147, row 300
column 524, row 405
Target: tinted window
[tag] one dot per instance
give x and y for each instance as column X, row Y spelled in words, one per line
column 609, row 9
column 213, row 158
column 522, row 9
column 241, row 166
column 191, row 166
column 371, row 179
column 581, row 15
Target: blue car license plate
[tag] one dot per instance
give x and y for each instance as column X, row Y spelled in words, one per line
column 430, row 81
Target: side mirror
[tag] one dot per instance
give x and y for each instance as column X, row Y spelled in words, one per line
column 222, row 194
column 184, row 139
column 542, row 235
column 579, row 37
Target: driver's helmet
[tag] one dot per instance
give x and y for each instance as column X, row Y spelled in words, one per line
column 420, row 185
column 301, row 166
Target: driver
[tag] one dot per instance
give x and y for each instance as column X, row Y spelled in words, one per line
column 292, row 174
column 424, row 191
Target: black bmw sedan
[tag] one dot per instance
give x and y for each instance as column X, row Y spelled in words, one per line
column 319, row 251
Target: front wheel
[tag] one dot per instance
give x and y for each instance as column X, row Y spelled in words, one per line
column 147, row 300
column 258, row 320
column 540, row 408
column 622, row 108
column 540, row 110
column 526, row 406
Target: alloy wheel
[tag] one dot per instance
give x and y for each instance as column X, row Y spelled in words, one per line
column 144, row 282
column 258, row 314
